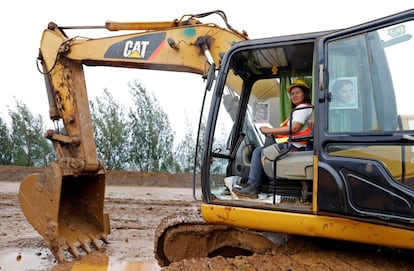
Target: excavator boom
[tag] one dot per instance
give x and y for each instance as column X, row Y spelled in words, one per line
column 65, row 204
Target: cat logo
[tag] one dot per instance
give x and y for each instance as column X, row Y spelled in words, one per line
column 142, row 47
column 135, row 49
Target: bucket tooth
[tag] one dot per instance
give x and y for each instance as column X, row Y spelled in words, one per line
column 59, row 255
column 96, row 243
column 74, row 251
column 85, row 247
column 104, row 238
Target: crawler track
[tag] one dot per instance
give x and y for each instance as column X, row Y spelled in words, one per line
column 307, row 254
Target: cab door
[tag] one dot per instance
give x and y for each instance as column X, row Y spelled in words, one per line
column 365, row 121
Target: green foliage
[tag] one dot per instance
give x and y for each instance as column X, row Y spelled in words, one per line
column 110, row 131
column 141, row 140
column 30, row 147
column 5, row 144
column 151, row 136
column 185, row 150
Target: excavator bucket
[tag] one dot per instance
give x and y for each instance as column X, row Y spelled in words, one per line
column 66, row 210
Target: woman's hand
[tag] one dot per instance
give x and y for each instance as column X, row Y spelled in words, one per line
column 265, row 130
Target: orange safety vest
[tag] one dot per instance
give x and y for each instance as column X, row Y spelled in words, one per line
column 305, row 132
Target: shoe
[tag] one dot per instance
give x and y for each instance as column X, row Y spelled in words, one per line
column 242, row 182
column 249, row 191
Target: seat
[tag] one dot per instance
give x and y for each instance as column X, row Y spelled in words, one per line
column 296, row 165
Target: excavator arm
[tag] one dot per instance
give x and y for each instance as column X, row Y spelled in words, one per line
column 65, row 203
column 184, row 48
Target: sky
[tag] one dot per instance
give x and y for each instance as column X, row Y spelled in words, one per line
column 22, row 30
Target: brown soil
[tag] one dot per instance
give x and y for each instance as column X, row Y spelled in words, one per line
column 135, row 212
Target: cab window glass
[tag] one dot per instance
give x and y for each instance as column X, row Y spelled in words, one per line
column 368, row 79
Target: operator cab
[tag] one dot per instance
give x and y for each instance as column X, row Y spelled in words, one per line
column 255, row 95
column 360, row 160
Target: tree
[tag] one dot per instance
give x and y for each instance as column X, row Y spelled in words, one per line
column 5, row 144
column 184, row 152
column 30, row 147
column 110, row 131
column 151, row 145
column 186, row 149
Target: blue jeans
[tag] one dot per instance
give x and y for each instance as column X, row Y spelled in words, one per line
column 257, row 174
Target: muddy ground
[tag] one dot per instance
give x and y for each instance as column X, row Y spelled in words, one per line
column 137, row 207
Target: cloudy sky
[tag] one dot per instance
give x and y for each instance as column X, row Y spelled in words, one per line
column 24, row 21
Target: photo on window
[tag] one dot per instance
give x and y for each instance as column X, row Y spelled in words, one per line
column 344, row 92
column 261, row 113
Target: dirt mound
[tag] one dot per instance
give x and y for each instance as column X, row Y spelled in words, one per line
column 16, row 173
column 123, row 178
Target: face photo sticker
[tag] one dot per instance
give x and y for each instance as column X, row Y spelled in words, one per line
column 344, row 93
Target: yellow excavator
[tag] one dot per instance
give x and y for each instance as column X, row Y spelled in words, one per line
column 354, row 181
